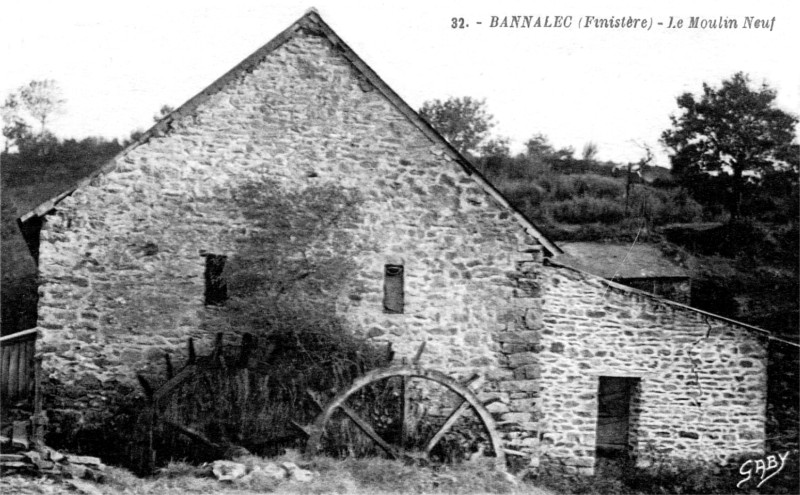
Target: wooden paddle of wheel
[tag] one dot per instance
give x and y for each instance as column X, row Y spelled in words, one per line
column 201, row 376
column 399, row 446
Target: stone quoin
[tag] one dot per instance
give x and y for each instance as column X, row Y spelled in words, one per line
column 123, row 276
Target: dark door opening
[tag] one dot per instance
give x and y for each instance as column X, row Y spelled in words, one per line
column 614, row 414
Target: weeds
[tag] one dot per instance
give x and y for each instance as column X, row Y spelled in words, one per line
column 669, row 475
column 352, row 476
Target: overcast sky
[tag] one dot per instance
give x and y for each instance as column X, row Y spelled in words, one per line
column 119, row 62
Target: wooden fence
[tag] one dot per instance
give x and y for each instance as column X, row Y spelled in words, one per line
column 17, row 365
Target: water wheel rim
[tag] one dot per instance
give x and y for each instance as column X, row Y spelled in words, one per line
column 469, row 398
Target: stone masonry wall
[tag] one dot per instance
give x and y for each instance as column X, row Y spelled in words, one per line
column 702, row 382
column 121, row 266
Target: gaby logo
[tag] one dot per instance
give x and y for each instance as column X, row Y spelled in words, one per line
column 762, row 466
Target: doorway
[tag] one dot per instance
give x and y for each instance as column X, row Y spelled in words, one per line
column 614, row 414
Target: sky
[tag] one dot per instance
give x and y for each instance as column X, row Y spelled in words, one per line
column 117, row 63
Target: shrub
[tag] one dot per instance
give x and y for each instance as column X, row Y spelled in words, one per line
column 598, row 186
column 662, row 206
column 523, row 195
column 585, row 209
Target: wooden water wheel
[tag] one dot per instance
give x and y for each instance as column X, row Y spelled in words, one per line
column 179, row 404
column 391, row 409
column 404, row 411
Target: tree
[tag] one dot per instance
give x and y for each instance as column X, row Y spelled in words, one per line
column 497, row 147
column 539, row 150
column 37, row 102
column 589, row 152
column 731, row 135
column 463, row 122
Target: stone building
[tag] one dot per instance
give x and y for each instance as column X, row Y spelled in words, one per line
column 124, row 260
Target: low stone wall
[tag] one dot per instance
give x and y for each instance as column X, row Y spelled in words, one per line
column 702, row 382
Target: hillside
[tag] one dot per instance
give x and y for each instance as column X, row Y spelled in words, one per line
column 747, row 271
column 27, row 181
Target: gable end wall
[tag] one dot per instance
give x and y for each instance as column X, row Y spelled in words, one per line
column 121, row 265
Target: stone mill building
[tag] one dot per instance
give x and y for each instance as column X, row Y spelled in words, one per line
column 579, row 363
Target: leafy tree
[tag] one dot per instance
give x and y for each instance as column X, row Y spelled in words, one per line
column 497, row 147
column 15, row 129
column 732, row 135
column 464, row 122
column 589, row 152
column 539, row 149
column 37, row 102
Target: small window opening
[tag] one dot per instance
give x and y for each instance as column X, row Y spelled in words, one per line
column 216, row 287
column 615, row 417
column 393, row 296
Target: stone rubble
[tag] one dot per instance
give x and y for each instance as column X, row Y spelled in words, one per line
column 50, row 462
column 237, row 471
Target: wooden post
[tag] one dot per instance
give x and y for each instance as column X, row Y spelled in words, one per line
column 192, row 354
column 5, row 354
column 170, row 372
column 151, row 458
column 13, row 370
column 39, row 418
column 27, row 369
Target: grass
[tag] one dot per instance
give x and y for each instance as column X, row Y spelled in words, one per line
column 351, row 476
column 673, row 476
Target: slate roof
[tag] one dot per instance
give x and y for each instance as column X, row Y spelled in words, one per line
column 618, row 261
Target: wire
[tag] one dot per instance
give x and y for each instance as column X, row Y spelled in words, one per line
column 627, row 255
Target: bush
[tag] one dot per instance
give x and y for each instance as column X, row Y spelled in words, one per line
column 563, row 187
column 585, row 209
column 523, row 195
column 663, row 206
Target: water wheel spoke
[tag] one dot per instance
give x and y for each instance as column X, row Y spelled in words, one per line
column 369, row 431
column 418, row 355
column 451, row 420
column 470, row 382
column 409, row 416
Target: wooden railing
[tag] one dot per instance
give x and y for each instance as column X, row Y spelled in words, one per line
column 17, row 365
